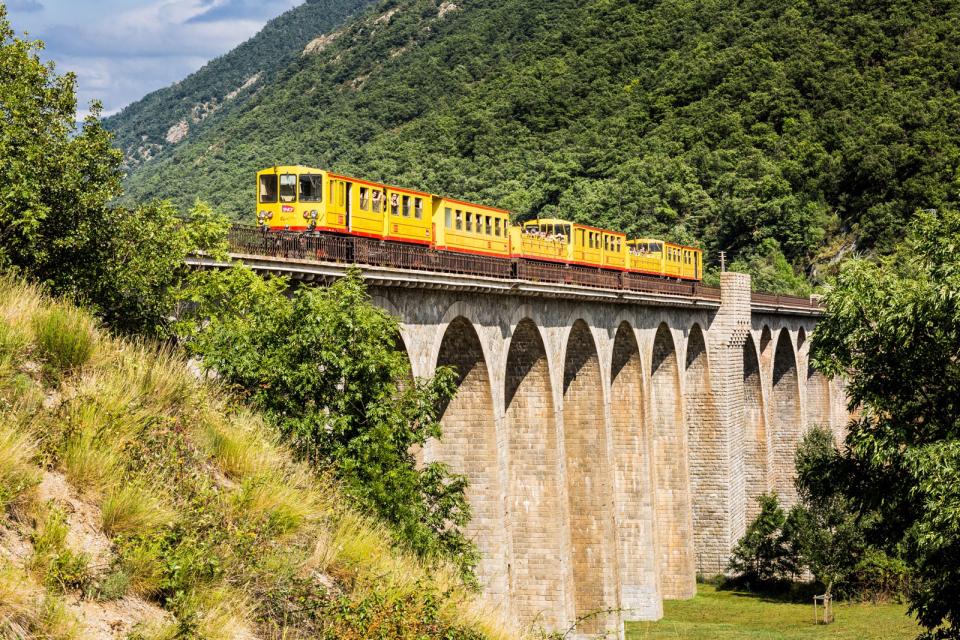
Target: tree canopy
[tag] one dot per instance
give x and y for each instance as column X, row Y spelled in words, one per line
column 893, row 328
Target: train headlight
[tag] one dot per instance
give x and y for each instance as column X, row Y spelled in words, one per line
column 263, row 216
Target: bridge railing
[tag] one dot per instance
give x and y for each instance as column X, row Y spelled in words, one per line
column 250, row 240
column 777, row 300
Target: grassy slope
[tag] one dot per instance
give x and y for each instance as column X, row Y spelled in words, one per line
column 141, row 127
column 722, row 615
column 134, row 495
column 804, row 121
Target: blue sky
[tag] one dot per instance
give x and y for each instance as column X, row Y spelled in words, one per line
column 122, row 50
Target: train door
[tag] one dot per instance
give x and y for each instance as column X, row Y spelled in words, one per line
column 348, row 205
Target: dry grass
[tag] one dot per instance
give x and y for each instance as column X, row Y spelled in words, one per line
column 28, row 611
column 175, row 467
column 132, row 509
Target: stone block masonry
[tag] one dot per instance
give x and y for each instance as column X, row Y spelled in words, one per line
column 614, row 450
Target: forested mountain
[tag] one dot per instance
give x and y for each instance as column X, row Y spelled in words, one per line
column 811, row 125
column 169, row 116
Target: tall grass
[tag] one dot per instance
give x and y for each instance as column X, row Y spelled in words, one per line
column 27, row 611
column 132, row 509
column 64, row 336
column 17, row 473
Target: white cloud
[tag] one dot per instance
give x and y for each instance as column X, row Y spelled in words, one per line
column 24, row 6
column 122, row 54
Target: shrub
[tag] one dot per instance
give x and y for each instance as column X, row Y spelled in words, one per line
column 64, row 337
column 764, row 554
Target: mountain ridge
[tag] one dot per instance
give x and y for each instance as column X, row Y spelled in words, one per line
column 167, row 116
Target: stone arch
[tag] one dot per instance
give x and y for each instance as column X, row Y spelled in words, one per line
column 707, row 457
column 674, row 516
column 533, row 500
column 469, row 446
column 766, row 350
column 639, row 581
column 588, row 484
column 756, row 461
column 818, row 399
column 784, row 418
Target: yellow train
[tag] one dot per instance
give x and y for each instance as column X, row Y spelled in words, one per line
column 305, row 199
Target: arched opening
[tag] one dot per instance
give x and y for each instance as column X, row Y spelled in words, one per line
column 639, row 593
column 709, row 483
column 818, row 399
column 785, row 418
column 469, row 446
column 674, row 518
column 756, row 451
column 588, row 483
column 533, row 503
column 801, row 338
column 766, row 349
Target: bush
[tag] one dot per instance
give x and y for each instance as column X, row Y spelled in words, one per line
column 763, row 554
column 324, row 368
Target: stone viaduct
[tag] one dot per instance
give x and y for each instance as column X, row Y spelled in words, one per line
column 614, row 443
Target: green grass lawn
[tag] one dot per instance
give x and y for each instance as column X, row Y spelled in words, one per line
column 721, row 615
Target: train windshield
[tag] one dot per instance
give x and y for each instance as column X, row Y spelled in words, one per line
column 288, row 187
column 311, row 188
column 654, row 247
column 268, row 188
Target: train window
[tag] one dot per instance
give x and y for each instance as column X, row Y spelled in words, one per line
column 288, row 188
column 406, row 206
column 489, row 229
column 311, row 188
column 655, row 247
column 394, row 204
column 377, row 199
column 448, row 216
column 459, row 220
column 469, row 221
column 418, row 208
column 365, row 198
column 268, row 188
column 496, row 227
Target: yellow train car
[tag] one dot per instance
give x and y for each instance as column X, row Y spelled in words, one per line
column 467, row 227
column 656, row 257
column 291, row 196
column 409, row 216
column 547, row 239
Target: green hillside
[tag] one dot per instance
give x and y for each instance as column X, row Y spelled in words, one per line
column 138, row 501
column 818, row 125
column 171, row 115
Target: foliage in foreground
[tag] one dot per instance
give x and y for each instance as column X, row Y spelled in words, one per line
column 206, row 515
column 324, row 367
column 57, row 223
column 893, row 329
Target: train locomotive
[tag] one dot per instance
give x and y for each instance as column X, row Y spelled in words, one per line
column 306, row 201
